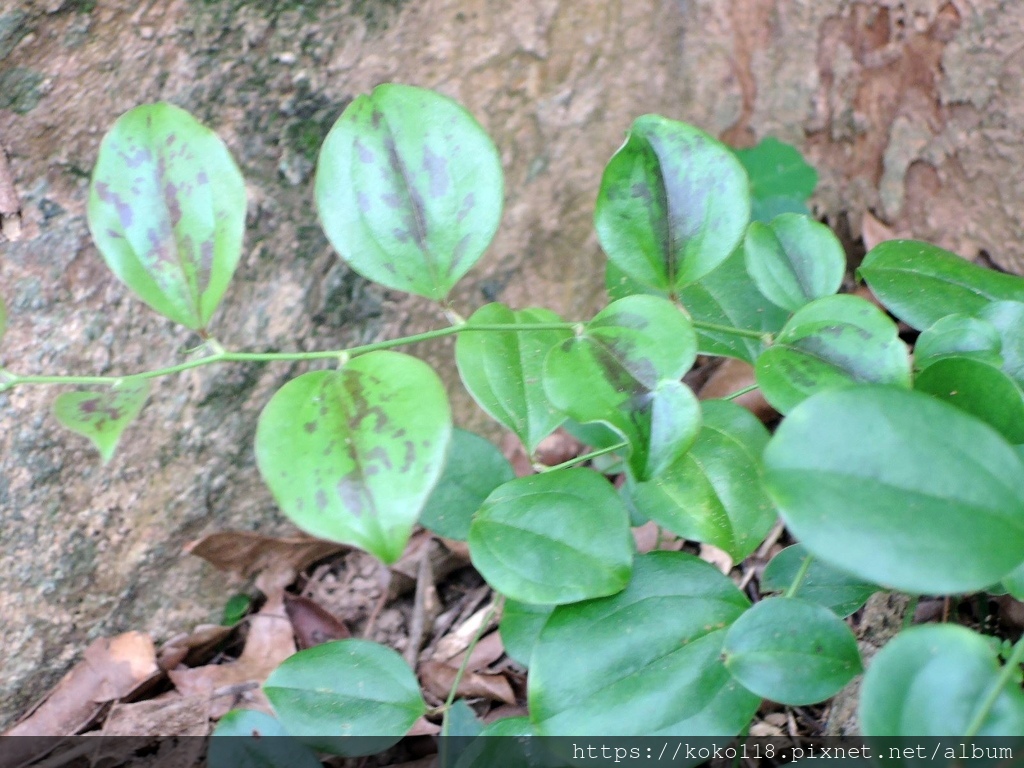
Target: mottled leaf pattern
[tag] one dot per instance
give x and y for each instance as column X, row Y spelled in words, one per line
column 102, row 415
column 167, row 211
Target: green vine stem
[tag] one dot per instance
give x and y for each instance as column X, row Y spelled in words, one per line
column 1011, row 667
column 495, row 609
column 805, row 566
column 584, row 457
column 740, row 392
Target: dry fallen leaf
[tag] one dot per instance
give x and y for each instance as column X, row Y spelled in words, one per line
column 168, row 715
column 717, row 557
column 444, row 559
column 873, row 231
column 246, row 553
column 437, row 678
column 189, row 648
column 731, row 376
column 647, row 538
column 487, row 651
column 312, row 623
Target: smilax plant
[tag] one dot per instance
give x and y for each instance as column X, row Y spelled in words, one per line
column 893, row 472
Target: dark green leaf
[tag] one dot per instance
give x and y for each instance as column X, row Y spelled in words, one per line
column 832, row 342
column 791, row 651
column 235, row 609
column 921, row 283
column 503, row 370
column 102, row 415
column 167, row 211
column 794, row 260
column 461, row 722
column 958, row 336
column 979, row 389
column 646, row 661
column 729, row 297
column 631, row 357
column 346, row 688
column 352, row 455
column 409, row 189
column 1008, row 319
column 473, row 469
column 673, row 204
column 714, row 493
column 256, row 740
column 822, row 584
column 777, row 169
column 894, row 486
column 521, row 624
column 932, row 681
column 557, row 537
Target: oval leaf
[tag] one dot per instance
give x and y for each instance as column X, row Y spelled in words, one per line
column 557, row 537
column 102, row 415
column 256, row 740
column 503, row 370
column 631, row 356
column 673, row 204
column 342, row 689
column 979, row 389
column 352, row 455
column 832, row 342
column 409, row 189
column 838, row 591
column 521, row 624
column 473, row 469
column 1007, row 317
column 714, row 493
column 894, row 486
column 645, row 661
column 791, row 651
column 932, row 681
column 780, row 178
column 920, row 283
column 958, row 336
column 167, row 211
column 794, row 260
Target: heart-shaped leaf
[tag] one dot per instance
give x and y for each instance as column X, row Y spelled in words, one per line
column 673, row 204
column 893, row 486
column 958, row 336
column 979, row 389
column 557, row 537
column 646, row 661
column 832, row 342
column 840, row 592
column 352, row 455
column 409, row 189
column 631, row 357
column 780, row 178
column 102, row 415
column 473, row 469
column 503, row 370
column 934, row 681
column 256, row 740
column 921, row 283
column 521, row 624
column 791, row 651
column 342, row 689
column 167, row 211
column 794, row 260
column 714, row 493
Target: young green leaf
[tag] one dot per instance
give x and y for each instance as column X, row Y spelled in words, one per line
column 409, row 189
column 256, row 740
column 631, row 357
column 503, row 370
column 352, row 455
column 102, row 415
column 780, row 179
column 646, row 661
column 1007, row 317
column 473, row 469
column 933, row 681
column 893, row 486
column 167, row 211
column 979, row 389
column 921, row 283
column 521, row 624
column 791, row 651
column 728, row 297
column 794, row 260
column 673, row 204
column 557, row 537
column 714, row 493
column 346, row 688
column 840, row 592
column 958, row 336
column 832, row 342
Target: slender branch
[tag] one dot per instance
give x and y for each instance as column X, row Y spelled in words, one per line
column 1011, row 668
column 585, row 457
column 764, row 336
column 799, row 578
